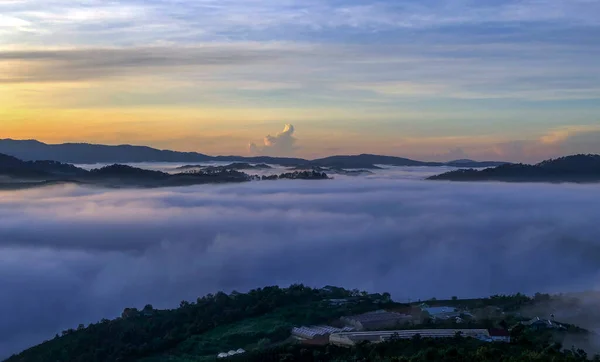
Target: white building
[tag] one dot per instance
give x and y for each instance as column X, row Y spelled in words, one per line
column 351, row 338
column 312, row 332
column 230, row 353
column 500, row 335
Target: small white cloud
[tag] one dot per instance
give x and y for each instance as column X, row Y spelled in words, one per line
column 282, row 144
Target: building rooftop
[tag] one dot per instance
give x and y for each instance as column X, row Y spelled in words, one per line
column 314, row 331
column 546, row 322
column 380, row 315
column 439, row 310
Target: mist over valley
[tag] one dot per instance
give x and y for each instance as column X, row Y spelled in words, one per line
column 74, row 254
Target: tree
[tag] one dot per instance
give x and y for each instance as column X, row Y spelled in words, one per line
column 503, row 324
column 129, row 312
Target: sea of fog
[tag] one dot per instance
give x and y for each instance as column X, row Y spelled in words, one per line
column 70, row 254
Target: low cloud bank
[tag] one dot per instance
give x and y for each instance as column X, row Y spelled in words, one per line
column 71, row 255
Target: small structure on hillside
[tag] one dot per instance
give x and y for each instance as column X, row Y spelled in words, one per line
column 538, row 323
column 317, row 334
column 499, row 335
column 441, row 312
column 231, row 353
column 341, row 301
column 376, row 320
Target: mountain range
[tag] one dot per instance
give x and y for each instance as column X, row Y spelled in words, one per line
column 85, row 153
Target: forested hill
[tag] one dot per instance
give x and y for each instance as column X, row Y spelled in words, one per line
column 261, row 321
column 577, row 168
column 19, row 174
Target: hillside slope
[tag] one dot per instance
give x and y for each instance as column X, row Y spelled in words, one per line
column 261, row 321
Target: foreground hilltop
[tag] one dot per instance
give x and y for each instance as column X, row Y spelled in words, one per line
column 16, row 173
column 306, row 324
column 577, row 168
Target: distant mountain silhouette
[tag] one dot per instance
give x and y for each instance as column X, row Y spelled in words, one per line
column 233, row 166
column 577, row 168
column 83, row 153
column 475, row 164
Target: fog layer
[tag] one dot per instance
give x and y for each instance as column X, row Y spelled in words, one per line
column 71, row 255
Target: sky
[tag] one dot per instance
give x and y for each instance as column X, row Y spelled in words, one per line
column 71, row 254
column 513, row 80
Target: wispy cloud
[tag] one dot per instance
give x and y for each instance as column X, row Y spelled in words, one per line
column 399, row 71
column 240, row 19
column 562, row 134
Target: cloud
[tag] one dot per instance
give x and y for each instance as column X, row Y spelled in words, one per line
column 553, row 143
column 282, row 144
column 456, row 69
column 562, row 134
column 557, row 142
column 75, row 65
column 71, row 255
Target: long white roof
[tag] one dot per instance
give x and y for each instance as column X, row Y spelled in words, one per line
column 425, row 333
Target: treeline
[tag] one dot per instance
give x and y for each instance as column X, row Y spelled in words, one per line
column 298, row 175
column 457, row 349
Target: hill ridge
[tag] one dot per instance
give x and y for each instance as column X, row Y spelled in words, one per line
column 90, row 153
column 573, row 168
